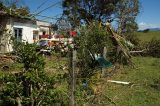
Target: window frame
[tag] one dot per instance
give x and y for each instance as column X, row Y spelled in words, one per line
column 18, row 33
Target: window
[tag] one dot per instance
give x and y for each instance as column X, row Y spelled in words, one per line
column 43, row 32
column 18, row 34
column 35, row 35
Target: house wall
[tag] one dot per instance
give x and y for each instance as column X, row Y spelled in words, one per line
column 43, row 27
column 29, row 27
column 27, row 31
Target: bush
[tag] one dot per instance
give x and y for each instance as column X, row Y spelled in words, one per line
column 30, row 86
column 146, row 30
column 153, row 48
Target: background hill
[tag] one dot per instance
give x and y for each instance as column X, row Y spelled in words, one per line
column 150, row 29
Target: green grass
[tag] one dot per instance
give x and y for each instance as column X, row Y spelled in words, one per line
column 144, row 37
column 55, row 64
column 145, row 87
column 145, row 79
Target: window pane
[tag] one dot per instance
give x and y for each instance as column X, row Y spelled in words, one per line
column 15, row 33
column 18, row 34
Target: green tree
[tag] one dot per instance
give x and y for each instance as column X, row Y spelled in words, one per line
column 88, row 10
column 12, row 8
column 126, row 12
column 92, row 41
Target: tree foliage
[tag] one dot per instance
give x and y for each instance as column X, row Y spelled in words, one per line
column 153, row 47
column 88, row 10
column 14, row 10
column 126, row 12
column 30, row 86
column 91, row 41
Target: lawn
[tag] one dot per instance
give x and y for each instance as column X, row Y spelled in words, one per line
column 145, row 87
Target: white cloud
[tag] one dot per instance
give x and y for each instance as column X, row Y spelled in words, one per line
column 143, row 25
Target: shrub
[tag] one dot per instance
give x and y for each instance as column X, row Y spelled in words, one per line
column 153, row 48
column 146, row 30
column 30, row 86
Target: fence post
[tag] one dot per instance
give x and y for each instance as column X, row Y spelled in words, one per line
column 72, row 79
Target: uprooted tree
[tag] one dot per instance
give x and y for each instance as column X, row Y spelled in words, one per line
column 90, row 43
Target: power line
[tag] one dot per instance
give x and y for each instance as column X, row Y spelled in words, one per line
column 46, row 9
column 46, row 17
column 51, row 17
column 56, row 17
column 41, row 5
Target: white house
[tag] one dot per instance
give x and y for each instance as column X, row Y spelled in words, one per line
column 44, row 27
column 22, row 28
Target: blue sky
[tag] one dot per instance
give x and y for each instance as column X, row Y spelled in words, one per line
column 149, row 16
column 36, row 6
